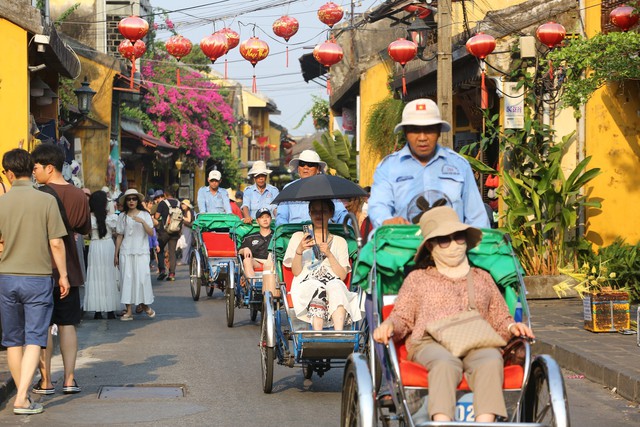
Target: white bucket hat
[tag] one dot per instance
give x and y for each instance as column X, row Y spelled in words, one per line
column 232, row 195
column 214, row 174
column 422, row 112
column 129, row 192
column 309, row 156
column 259, row 168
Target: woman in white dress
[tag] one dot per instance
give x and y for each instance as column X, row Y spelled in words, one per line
column 101, row 287
column 320, row 264
column 134, row 227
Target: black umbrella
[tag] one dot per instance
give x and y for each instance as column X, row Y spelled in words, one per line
column 320, row 187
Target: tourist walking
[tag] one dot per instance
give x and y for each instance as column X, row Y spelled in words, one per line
column 187, row 221
column 101, row 287
column 134, row 226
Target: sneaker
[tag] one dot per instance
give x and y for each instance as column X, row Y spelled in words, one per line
column 171, row 277
column 162, row 275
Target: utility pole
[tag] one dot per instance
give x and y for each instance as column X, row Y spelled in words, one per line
column 445, row 74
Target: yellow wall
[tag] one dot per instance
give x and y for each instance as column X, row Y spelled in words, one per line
column 14, row 88
column 371, row 83
column 476, row 12
column 613, row 139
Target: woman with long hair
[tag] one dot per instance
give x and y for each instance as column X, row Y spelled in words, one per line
column 101, row 287
column 132, row 254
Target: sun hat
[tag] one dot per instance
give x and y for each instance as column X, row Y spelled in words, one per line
column 232, row 194
column 129, row 192
column 262, row 211
column 309, row 156
column 158, row 193
column 214, row 174
column 259, row 168
column 187, row 202
column 422, row 112
column 444, row 221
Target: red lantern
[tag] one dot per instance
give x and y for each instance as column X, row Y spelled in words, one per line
column 214, row 46
column 623, row 17
column 402, row 51
column 551, row 34
column 286, row 27
column 420, row 11
column 178, row 47
column 330, row 14
column 133, row 28
column 481, row 45
column 328, row 54
column 132, row 52
column 254, row 50
column 233, row 39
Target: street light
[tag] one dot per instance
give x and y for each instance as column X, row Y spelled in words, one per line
column 85, row 95
column 418, row 32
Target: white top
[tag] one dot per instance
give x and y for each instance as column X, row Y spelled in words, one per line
column 110, row 221
column 136, row 240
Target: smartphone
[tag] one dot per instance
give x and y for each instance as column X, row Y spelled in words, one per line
column 308, row 229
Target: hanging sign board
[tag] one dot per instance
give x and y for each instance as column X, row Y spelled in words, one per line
column 513, row 106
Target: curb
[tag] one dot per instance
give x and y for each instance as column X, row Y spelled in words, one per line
column 7, row 386
column 626, row 384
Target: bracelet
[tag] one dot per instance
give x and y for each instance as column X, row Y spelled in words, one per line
column 298, row 253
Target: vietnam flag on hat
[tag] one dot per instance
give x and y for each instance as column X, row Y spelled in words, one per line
column 421, row 107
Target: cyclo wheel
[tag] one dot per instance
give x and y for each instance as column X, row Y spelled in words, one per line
column 541, row 405
column 253, row 311
column 210, row 289
column 267, row 355
column 307, row 371
column 194, row 279
column 231, row 303
column 351, row 412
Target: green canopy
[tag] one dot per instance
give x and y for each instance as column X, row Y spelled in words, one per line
column 396, row 245
column 213, row 221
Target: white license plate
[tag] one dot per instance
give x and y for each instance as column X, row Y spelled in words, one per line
column 464, row 408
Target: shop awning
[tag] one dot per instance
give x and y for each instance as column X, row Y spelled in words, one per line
column 134, row 131
column 59, row 56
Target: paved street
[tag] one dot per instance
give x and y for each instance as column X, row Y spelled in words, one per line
column 188, row 344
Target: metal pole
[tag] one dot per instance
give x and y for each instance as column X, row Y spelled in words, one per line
column 445, row 92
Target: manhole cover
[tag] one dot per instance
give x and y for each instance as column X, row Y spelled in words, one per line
column 141, row 392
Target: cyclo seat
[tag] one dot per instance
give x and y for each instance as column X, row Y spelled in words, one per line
column 214, row 230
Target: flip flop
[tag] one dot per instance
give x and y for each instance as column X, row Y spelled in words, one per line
column 139, row 309
column 38, row 389
column 71, row 389
column 33, row 408
column 126, row 317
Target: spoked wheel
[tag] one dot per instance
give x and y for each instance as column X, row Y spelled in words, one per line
column 267, row 356
column 545, row 396
column 210, row 289
column 194, row 278
column 357, row 407
column 231, row 303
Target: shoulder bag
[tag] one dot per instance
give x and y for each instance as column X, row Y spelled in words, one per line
column 465, row 331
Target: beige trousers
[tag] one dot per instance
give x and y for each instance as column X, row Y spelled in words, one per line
column 483, row 368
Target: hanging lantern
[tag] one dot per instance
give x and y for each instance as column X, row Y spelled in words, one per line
column 330, row 14
column 551, row 34
column 328, row 54
column 481, row 45
column 286, row 27
column 623, row 17
column 254, row 50
column 214, row 46
column 178, row 47
column 402, row 51
column 419, row 11
column 233, row 39
column 133, row 28
column 132, row 52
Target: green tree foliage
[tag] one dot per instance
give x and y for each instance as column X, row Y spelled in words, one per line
column 339, row 153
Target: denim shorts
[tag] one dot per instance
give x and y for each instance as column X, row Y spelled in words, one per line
column 26, row 305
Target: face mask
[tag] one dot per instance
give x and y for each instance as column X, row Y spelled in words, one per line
column 450, row 257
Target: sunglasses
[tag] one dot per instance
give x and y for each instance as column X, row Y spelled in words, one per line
column 302, row 163
column 460, row 237
column 423, row 129
column 131, row 199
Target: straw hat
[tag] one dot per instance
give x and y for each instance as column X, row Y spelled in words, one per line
column 422, row 112
column 308, row 156
column 129, row 192
column 259, row 168
column 444, row 221
column 187, row 202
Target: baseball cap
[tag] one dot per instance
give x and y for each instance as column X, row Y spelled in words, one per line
column 422, row 112
column 158, row 193
column 215, row 174
column 262, row 211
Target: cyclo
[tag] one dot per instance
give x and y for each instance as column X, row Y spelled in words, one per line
column 213, row 260
column 533, row 386
column 285, row 338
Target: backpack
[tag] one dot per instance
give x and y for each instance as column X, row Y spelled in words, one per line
column 174, row 219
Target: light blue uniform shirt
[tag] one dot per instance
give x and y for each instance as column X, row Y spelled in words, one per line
column 400, row 177
column 255, row 200
column 219, row 203
column 297, row 212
